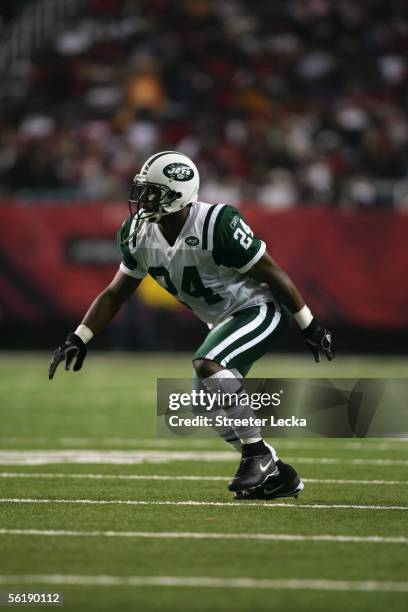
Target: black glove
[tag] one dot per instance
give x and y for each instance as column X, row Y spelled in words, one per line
column 73, row 348
column 319, row 340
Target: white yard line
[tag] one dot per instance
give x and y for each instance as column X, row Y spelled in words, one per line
column 190, row 502
column 48, row 457
column 210, row 582
column 208, row 536
column 354, row 461
column 354, row 482
column 375, row 444
column 111, row 476
column 45, row 457
column 62, row 475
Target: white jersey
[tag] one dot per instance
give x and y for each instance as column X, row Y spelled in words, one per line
column 206, row 267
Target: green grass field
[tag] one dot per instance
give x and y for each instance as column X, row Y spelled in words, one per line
column 94, row 506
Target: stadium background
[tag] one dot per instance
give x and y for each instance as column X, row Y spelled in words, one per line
column 295, row 112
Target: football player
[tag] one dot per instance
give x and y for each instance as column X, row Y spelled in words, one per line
column 210, row 260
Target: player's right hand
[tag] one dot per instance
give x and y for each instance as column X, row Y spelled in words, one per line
column 73, row 348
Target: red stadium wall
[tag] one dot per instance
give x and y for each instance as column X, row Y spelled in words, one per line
column 351, row 266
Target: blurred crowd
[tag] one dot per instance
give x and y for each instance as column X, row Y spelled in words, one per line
column 279, row 102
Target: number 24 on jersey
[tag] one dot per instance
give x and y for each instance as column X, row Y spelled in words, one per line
column 244, row 235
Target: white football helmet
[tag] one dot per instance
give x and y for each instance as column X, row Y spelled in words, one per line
column 167, row 182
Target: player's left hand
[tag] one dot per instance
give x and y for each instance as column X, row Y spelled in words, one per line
column 319, row 340
column 73, row 348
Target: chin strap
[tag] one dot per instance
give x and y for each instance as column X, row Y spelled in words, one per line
column 140, row 219
column 139, row 222
column 134, row 233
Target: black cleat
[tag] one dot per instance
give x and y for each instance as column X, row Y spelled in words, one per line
column 253, row 472
column 285, row 483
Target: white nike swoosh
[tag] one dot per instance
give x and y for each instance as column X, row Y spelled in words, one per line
column 263, row 468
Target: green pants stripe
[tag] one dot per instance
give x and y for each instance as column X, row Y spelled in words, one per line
column 245, row 328
column 244, row 337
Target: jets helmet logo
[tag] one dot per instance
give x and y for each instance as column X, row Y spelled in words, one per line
column 178, row 171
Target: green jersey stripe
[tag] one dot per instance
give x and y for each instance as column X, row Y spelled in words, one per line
column 212, row 224
column 205, row 227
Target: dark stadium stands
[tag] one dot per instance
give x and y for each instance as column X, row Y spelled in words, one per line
column 280, row 103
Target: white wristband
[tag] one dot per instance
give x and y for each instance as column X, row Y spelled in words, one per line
column 84, row 333
column 304, row 317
